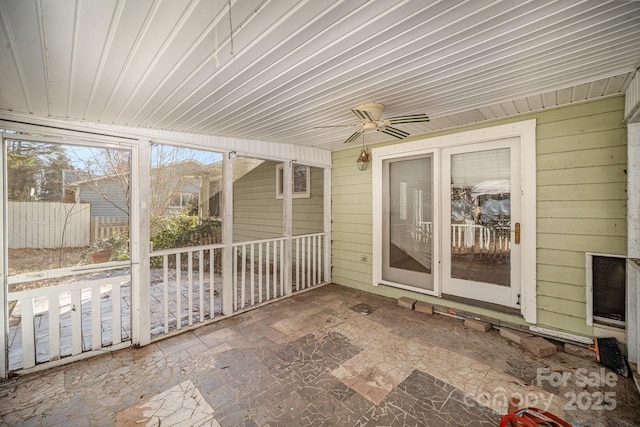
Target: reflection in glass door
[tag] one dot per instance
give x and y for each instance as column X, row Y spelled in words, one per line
column 480, row 260
column 481, row 216
column 407, row 233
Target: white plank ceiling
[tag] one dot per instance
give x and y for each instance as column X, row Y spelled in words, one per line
column 272, row 70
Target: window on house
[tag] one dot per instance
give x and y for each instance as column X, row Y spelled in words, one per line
column 301, row 181
column 187, row 200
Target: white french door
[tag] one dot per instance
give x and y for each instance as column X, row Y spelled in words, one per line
column 455, row 216
column 407, row 228
column 481, row 218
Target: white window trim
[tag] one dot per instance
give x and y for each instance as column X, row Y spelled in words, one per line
column 526, row 131
column 589, row 277
column 296, row 195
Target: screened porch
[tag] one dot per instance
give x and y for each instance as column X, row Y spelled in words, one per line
column 222, row 234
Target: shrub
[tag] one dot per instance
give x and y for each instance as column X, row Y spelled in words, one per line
column 117, row 243
column 181, row 230
column 173, row 231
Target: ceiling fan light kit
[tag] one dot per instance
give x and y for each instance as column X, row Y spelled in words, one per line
column 363, row 160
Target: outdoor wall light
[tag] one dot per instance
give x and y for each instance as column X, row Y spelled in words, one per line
column 232, row 155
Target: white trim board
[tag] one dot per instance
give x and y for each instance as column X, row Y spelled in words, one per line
column 526, row 132
column 311, row 156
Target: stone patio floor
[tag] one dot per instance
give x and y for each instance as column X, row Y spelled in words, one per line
column 312, row 360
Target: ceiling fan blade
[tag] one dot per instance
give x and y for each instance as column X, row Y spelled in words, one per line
column 413, row 118
column 395, row 132
column 363, row 115
column 354, row 136
column 337, row 126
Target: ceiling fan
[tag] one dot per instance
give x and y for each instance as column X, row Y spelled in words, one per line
column 370, row 116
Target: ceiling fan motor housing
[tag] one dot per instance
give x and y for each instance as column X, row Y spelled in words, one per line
column 369, row 126
column 370, row 115
column 373, row 108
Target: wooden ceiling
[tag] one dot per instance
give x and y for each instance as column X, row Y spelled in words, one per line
column 272, row 70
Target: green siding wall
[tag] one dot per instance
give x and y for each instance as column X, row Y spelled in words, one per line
column 257, row 214
column 581, row 207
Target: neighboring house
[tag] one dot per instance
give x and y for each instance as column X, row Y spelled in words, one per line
column 175, row 187
column 106, row 198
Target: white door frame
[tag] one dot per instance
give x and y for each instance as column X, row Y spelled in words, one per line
column 526, row 132
column 139, row 262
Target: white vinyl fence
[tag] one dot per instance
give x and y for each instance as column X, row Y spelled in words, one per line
column 48, row 225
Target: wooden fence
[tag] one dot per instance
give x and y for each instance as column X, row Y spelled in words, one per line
column 48, row 224
column 103, row 227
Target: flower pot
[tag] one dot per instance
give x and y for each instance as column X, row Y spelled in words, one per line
column 101, row 256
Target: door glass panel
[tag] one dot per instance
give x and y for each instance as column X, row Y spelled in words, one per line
column 481, row 216
column 408, row 229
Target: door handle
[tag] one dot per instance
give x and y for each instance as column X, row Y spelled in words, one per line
column 517, row 234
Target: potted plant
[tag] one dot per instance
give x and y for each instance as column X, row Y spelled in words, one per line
column 100, row 250
column 115, row 247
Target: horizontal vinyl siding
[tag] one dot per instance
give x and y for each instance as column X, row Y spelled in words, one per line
column 352, row 221
column 581, row 207
column 308, row 213
column 257, row 214
column 112, row 204
column 581, row 190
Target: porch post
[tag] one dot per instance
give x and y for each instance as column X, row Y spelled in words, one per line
column 632, row 117
column 327, row 224
column 287, row 219
column 633, row 241
column 140, row 237
column 4, row 319
column 227, row 234
column 203, row 198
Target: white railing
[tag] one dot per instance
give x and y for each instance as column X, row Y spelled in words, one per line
column 308, row 258
column 423, row 232
column 186, row 283
column 89, row 310
column 259, row 271
column 186, row 287
column 258, row 267
column 472, row 238
column 87, row 313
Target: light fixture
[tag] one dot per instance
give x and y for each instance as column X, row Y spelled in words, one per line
column 232, row 155
column 363, row 159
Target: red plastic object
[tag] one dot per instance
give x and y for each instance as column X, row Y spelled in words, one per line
column 532, row 417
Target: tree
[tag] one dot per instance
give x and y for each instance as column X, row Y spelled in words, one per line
column 106, row 169
column 107, row 172
column 34, row 169
column 171, row 168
